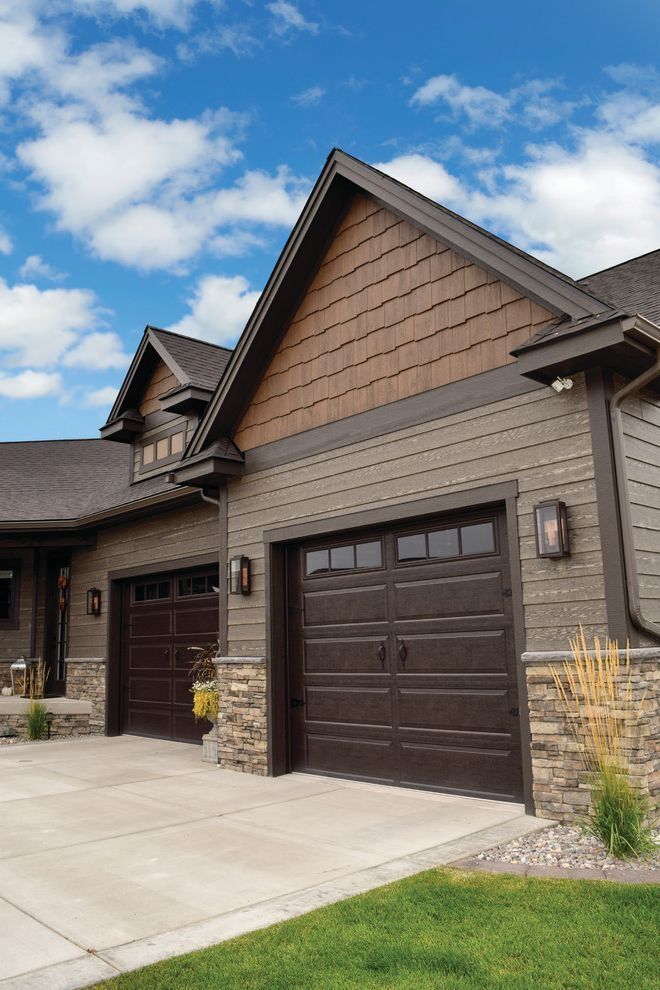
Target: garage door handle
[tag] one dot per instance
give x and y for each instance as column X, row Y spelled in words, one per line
column 403, row 652
column 381, row 655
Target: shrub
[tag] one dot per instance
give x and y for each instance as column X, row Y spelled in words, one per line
column 205, row 700
column 597, row 693
column 37, row 719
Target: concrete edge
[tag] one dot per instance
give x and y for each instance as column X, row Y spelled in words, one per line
column 212, row 931
column 74, row 973
column 12, row 705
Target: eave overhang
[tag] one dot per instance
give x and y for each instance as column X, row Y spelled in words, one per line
column 125, row 428
column 210, row 468
column 623, row 342
column 185, row 399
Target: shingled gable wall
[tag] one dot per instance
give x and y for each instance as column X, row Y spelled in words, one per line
column 389, row 314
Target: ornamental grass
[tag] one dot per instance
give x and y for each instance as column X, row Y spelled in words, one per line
column 597, row 692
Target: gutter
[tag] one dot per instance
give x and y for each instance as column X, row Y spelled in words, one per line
column 622, row 491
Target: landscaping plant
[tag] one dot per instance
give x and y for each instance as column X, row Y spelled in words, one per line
column 205, row 685
column 37, row 719
column 597, row 692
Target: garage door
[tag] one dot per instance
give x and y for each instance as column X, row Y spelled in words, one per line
column 401, row 657
column 163, row 617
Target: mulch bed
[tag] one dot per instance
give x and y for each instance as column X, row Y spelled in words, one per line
column 563, row 851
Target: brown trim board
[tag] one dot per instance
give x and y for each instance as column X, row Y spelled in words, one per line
column 470, row 393
column 599, row 391
column 275, row 543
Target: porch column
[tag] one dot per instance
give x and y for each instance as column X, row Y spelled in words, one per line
column 242, row 714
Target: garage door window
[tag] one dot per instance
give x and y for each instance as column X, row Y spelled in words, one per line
column 349, row 557
column 473, row 539
column 199, row 584
column 151, row 591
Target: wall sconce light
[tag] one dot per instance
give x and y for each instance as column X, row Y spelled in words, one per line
column 561, row 384
column 551, row 526
column 239, row 576
column 93, row 601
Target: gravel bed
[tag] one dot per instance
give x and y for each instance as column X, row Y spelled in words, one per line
column 564, row 846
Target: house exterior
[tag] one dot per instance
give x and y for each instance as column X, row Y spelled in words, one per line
column 373, row 450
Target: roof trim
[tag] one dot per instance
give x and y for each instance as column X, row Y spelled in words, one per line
column 342, row 176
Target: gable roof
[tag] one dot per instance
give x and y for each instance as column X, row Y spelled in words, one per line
column 195, row 363
column 340, row 179
column 633, row 285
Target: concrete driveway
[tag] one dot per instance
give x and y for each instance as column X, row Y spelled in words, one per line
column 118, row 852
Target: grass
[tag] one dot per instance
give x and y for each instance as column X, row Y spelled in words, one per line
column 441, row 930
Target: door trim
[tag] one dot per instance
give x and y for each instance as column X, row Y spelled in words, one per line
column 276, row 580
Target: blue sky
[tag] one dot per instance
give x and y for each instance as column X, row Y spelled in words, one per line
column 155, row 153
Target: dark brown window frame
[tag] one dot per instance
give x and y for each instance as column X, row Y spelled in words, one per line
column 13, row 621
column 439, row 529
column 158, row 463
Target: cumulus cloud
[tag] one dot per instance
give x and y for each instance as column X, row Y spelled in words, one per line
column 29, row 384
column 38, row 325
column 104, row 396
column 6, row 244
column 98, row 351
column 427, row 176
column 288, row 18
column 34, row 266
column 167, row 13
column 219, row 309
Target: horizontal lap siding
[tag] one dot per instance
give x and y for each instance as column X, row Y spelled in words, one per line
column 641, row 427
column 541, row 440
column 169, row 536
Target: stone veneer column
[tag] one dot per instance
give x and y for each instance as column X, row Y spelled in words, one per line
column 242, row 714
column 85, row 680
column 560, row 781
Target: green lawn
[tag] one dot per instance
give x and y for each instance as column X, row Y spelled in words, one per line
column 441, row 929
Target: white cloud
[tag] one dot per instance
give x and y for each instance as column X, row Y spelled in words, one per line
column 29, row 384
column 104, row 396
column 167, row 13
column 98, row 351
column 219, row 309
column 480, row 105
column 309, row 97
column 38, row 325
column 427, row 176
column 34, row 266
column 287, row 18
column 6, row 244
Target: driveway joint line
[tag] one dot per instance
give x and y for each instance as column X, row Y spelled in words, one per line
column 44, row 924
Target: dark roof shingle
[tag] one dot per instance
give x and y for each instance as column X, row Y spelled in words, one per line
column 633, row 285
column 202, row 363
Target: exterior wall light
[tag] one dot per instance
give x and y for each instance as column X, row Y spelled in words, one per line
column 94, row 601
column 551, row 527
column 561, row 384
column 239, row 576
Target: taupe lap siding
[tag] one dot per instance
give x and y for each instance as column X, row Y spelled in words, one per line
column 542, row 440
column 641, row 426
column 165, row 537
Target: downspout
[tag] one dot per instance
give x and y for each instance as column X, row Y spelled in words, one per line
column 621, row 475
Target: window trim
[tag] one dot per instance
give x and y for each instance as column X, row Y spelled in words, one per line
column 171, row 458
column 13, row 621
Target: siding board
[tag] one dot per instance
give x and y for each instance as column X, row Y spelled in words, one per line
column 640, row 416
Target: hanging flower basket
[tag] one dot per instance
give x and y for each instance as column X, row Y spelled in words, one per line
column 205, row 700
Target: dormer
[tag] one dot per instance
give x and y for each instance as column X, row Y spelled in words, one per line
column 167, row 387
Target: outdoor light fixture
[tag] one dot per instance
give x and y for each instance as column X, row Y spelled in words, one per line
column 561, row 384
column 551, row 526
column 93, row 601
column 239, row 576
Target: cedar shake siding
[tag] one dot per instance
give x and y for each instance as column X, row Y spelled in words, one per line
column 641, row 426
column 540, row 439
column 174, row 535
column 162, row 380
column 390, row 313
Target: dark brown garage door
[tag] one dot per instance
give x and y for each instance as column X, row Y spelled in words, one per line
column 401, row 657
column 163, row 617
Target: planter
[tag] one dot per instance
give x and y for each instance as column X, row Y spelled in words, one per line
column 210, row 743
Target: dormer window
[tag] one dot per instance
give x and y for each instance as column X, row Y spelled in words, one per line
column 160, row 450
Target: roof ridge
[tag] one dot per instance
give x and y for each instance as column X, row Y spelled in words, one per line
column 194, row 340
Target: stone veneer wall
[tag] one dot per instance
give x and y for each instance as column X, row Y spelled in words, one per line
column 560, row 783
column 62, row 726
column 85, row 681
column 242, row 715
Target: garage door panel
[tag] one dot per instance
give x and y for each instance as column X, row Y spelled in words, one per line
column 150, row 623
column 445, row 597
column 345, row 605
column 471, row 653
column 454, row 710
column 157, row 656
column 343, row 656
column 349, row 756
column 484, row 772
column 189, row 621
column 148, row 722
column 346, row 705
column 156, row 689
